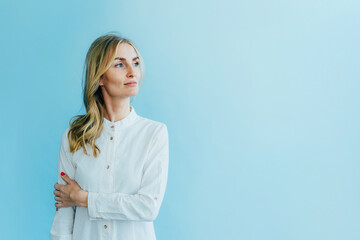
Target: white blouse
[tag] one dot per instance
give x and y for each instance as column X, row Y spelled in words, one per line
column 125, row 183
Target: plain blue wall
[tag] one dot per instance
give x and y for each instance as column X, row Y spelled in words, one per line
column 261, row 99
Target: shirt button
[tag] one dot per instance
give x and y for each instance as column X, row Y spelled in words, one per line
column 111, row 138
column 112, row 126
column 107, row 166
column 105, row 226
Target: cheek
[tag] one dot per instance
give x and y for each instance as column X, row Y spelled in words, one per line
column 116, row 85
column 115, row 79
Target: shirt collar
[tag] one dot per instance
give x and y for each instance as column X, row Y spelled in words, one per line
column 120, row 124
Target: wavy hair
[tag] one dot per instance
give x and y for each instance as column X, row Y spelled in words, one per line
column 85, row 129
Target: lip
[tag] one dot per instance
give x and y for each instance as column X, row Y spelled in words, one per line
column 131, row 83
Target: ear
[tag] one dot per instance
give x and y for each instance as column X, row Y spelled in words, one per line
column 100, row 81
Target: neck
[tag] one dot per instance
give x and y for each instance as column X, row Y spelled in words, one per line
column 116, row 111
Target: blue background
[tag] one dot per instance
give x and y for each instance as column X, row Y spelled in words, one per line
column 261, row 99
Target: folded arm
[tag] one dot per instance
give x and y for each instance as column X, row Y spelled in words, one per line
column 62, row 226
column 145, row 204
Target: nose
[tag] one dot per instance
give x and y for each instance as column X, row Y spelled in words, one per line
column 130, row 73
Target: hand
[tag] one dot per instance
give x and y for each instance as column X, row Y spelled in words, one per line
column 70, row 194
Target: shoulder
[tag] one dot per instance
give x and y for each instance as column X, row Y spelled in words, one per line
column 152, row 127
column 150, row 123
column 64, row 136
column 65, row 132
column 65, row 144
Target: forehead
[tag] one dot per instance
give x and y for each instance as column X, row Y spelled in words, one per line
column 125, row 50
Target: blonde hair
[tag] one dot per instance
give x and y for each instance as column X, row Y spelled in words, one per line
column 85, row 129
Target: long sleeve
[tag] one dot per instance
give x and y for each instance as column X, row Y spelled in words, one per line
column 145, row 204
column 62, row 226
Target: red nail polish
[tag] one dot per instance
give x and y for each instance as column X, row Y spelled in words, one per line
column 62, row 173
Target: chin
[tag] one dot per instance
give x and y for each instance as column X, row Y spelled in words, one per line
column 132, row 94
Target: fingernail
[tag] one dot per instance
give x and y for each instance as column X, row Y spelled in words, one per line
column 62, row 173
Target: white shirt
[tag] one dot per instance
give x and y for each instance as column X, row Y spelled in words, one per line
column 125, row 183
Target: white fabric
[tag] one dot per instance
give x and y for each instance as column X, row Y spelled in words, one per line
column 126, row 182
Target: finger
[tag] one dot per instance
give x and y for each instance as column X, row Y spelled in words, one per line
column 59, row 200
column 61, row 204
column 57, row 186
column 58, row 205
column 57, row 193
column 66, row 177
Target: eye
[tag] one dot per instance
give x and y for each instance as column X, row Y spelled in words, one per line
column 136, row 63
column 118, row 64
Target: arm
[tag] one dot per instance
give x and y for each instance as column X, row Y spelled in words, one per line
column 145, row 204
column 62, row 226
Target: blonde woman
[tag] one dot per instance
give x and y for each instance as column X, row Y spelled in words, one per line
column 113, row 163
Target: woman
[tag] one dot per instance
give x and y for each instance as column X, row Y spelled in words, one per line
column 113, row 163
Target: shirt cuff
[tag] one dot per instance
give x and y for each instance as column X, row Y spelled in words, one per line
column 92, row 211
column 62, row 237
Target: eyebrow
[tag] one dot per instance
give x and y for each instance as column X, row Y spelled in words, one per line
column 120, row 58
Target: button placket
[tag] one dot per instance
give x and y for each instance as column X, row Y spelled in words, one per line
column 107, row 230
column 110, row 158
column 113, row 130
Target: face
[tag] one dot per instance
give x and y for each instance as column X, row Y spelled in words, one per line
column 124, row 69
